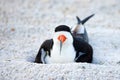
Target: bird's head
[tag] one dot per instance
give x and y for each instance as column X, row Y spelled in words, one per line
column 62, row 36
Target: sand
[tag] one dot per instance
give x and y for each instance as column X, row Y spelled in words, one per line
column 25, row 24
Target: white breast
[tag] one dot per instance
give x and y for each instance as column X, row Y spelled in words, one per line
column 67, row 55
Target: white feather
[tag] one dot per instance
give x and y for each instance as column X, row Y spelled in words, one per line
column 67, row 52
column 80, row 29
column 42, row 55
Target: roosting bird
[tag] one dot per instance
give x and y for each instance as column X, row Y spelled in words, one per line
column 67, row 46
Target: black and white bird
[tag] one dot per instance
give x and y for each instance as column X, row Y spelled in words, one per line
column 66, row 46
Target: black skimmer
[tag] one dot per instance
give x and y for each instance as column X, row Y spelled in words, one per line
column 66, row 46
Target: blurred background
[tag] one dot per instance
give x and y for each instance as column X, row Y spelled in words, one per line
column 25, row 24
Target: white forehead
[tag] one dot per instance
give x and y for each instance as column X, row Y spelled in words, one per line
column 67, row 34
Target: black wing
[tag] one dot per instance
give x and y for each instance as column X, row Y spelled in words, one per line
column 83, row 47
column 46, row 46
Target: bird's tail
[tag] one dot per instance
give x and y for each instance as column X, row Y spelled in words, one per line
column 80, row 22
column 80, row 31
column 86, row 19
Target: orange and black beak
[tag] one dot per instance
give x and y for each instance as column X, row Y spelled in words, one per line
column 62, row 39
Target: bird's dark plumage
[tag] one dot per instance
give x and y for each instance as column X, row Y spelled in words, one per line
column 84, row 20
column 62, row 28
column 47, row 49
column 80, row 45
